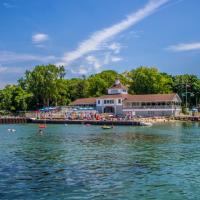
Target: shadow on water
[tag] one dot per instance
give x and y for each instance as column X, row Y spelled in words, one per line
column 127, row 137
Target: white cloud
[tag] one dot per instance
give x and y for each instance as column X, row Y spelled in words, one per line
column 94, row 42
column 115, row 46
column 116, row 59
column 184, row 47
column 12, row 70
column 92, row 60
column 39, row 37
column 10, row 57
column 82, row 70
column 110, row 58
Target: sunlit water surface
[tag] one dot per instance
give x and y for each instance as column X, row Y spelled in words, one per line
column 80, row 162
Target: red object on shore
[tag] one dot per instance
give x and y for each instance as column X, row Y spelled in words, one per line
column 42, row 126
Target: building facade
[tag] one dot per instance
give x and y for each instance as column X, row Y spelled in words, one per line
column 119, row 102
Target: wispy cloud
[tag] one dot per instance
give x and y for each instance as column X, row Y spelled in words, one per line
column 8, row 5
column 12, row 70
column 115, row 47
column 97, row 39
column 184, row 47
column 12, row 57
column 94, row 61
column 39, row 37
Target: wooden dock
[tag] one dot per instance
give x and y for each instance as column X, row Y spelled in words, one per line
column 14, row 120
column 92, row 122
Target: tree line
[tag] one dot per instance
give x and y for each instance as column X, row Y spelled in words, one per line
column 46, row 85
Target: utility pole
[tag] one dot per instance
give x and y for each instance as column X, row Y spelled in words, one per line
column 186, row 96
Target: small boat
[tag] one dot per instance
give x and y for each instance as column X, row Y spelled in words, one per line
column 106, row 127
column 146, row 124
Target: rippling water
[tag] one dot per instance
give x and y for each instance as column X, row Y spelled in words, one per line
column 79, row 162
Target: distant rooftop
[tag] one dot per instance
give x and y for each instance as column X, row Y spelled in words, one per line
column 118, row 85
column 84, row 101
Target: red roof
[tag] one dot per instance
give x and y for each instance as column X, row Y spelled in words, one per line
column 141, row 98
column 151, row 97
column 129, row 97
column 84, row 101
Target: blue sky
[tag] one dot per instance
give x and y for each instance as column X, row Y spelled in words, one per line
column 88, row 36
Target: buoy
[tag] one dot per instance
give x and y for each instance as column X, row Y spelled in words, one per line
column 42, row 126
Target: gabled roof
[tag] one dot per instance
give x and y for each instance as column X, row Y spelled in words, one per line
column 84, row 101
column 143, row 97
column 118, row 85
column 130, row 98
column 152, row 97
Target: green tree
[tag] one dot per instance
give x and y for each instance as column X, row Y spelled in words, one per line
column 43, row 83
column 190, row 85
column 77, row 88
column 148, row 80
column 99, row 83
column 14, row 98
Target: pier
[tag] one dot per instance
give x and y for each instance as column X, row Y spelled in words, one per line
column 14, row 120
column 92, row 122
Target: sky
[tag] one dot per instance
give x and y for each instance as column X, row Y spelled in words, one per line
column 89, row 36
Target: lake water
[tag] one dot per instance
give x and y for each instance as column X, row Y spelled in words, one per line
column 80, row 162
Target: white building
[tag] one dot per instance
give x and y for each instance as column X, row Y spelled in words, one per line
column 119, row 102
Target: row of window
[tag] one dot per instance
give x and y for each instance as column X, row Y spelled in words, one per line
column 152, row 104
column 110, row 101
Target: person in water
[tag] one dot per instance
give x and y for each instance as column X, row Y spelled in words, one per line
column 40, row 131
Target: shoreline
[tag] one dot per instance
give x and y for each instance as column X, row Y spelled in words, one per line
column 135, row 121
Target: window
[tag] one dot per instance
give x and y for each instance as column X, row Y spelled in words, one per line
column 119, row 101
column 113, row 92
column 99, row 101
column 109, row 101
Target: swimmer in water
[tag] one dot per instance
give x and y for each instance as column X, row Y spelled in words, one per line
column 40, row 131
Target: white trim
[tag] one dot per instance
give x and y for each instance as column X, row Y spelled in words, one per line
column 153, row 109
